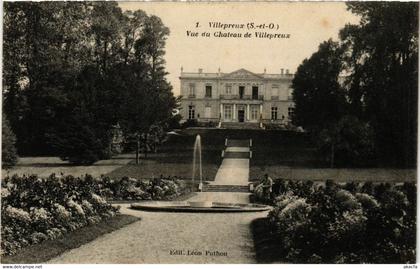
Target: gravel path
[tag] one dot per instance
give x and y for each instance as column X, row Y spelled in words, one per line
column 162, row 237
column 174, row 238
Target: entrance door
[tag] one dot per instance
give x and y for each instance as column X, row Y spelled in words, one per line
column 241, row 115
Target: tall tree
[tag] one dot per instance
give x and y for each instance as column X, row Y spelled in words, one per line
column 382, row 59
column 76, row 69
column 152, row 101
column 107, row 20
column 319, row 98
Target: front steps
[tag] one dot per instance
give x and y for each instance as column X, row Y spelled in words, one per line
column 225, row 188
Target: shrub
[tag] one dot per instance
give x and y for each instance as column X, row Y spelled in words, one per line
column 342, row 224
column 347, row 143
column 8, row 154
column 36, row 209
column 190, row 123
column 80, row 143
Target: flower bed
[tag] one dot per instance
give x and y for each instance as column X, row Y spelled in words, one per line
column 36, row 209
column 351, row 223
column 141, row 189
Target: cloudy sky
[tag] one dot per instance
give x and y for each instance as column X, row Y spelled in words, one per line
column 308, row 24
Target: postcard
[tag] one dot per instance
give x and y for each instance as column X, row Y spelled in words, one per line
column 209, row 133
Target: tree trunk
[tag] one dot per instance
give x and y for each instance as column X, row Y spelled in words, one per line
column 332, row 156
column 137, row 149
column 145, row 146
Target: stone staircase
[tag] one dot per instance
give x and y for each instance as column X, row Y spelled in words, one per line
column 238, row 143
column 225, row 188
column 236, row 155
column 233, row 173
column 240, row 125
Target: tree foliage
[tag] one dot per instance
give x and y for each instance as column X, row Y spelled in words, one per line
column 73, row 69
column 382, row 56
column 377, row 60
column 8, row 150
column 349, row 142
column 319, row 98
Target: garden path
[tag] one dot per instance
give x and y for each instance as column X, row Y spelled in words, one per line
column 163, row 237
column 157, row 234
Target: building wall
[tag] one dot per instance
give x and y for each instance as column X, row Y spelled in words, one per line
column 275, row 92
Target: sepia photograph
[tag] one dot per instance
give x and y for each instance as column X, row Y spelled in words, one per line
column 209, row 133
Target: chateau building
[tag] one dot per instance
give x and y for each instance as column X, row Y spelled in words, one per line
column 240, row 96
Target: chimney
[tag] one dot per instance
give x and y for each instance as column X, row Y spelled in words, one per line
column 200, row 70
column 287, row 71
column 182, row 69
column 281, row 71
column 265, row 70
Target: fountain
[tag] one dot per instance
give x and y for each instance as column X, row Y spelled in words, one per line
column 197, row 151
column 201, row 205
column 197, row 157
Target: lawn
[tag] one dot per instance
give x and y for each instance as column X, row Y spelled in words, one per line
column 336, row 174
column 175, row 163
column 45, row 166
column 174, row 158
column 293, row 156
column 281, row 154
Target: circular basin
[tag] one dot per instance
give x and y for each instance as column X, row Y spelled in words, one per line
column 198, row 206
column 200, row 203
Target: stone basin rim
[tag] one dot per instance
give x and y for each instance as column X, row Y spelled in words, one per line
column 183, row 206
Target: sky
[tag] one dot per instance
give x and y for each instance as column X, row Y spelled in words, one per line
column 307, row 23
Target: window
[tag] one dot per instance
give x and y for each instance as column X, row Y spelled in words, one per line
column 274, row 113
column 290, row 112
column 192, row 89
column 207, row 112
column 228, row 89
column 208, row 91
column 255, row 92
column 275, row 91
column 228, row 112
column 191, row 112
column 290, row 93
column 254, row 112
column 241, row 92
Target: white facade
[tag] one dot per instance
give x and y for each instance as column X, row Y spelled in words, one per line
column 239, row 96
